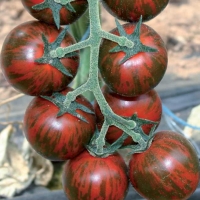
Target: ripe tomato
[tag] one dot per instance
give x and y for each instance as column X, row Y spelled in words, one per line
column 66, row 16
column 22, row 47
column 141, row 72
column 131, row 10
column 147, row 106
column 169, row 169
column 87, row 178
column 57, row 138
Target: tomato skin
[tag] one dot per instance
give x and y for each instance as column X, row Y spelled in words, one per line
column 169, row 169
column 66, row 16
column 87, row 178
column 140, row 73
column 147, row 106
column 57, row 138
column 131, row 10
column 22, row 47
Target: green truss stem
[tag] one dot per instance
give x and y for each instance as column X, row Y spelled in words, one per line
column 92, row 83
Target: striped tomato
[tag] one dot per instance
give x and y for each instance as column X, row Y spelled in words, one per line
column 169, row 169
column 23, row 45
column 87, row 178
column 142, row 71
column 57, row 138
column 131, row 10
column 147, row 106
column 67, row 16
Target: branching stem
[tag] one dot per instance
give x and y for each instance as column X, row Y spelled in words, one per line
column 92, row 83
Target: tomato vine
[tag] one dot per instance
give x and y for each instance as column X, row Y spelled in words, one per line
column 92, row 84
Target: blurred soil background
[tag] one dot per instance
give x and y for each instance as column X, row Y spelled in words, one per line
column 178, row 25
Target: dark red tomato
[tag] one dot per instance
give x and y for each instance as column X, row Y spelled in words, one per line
column 57, row 138
column 87, row 178
column 141, row 72
column 131, row 10
column 66, row 16
column 169, row 169
column 22, row 47
column 147, row 106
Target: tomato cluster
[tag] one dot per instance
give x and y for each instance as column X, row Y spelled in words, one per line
column 167, row 166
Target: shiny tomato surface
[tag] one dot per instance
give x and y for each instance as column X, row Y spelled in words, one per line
column 169, row 169
column 142, row 71
column 87, row 178
column 22, row 46
column 57, row 138
column 131, row 10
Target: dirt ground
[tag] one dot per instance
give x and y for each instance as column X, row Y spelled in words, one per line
column 178, row 25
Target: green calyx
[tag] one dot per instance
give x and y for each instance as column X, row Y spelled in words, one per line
column 58, row 99
column 55, row 62
column 55, row 6
column 135, row 38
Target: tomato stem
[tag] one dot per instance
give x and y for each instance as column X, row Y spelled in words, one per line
column 98, row 144
column 121, row 40
column 100, row 141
